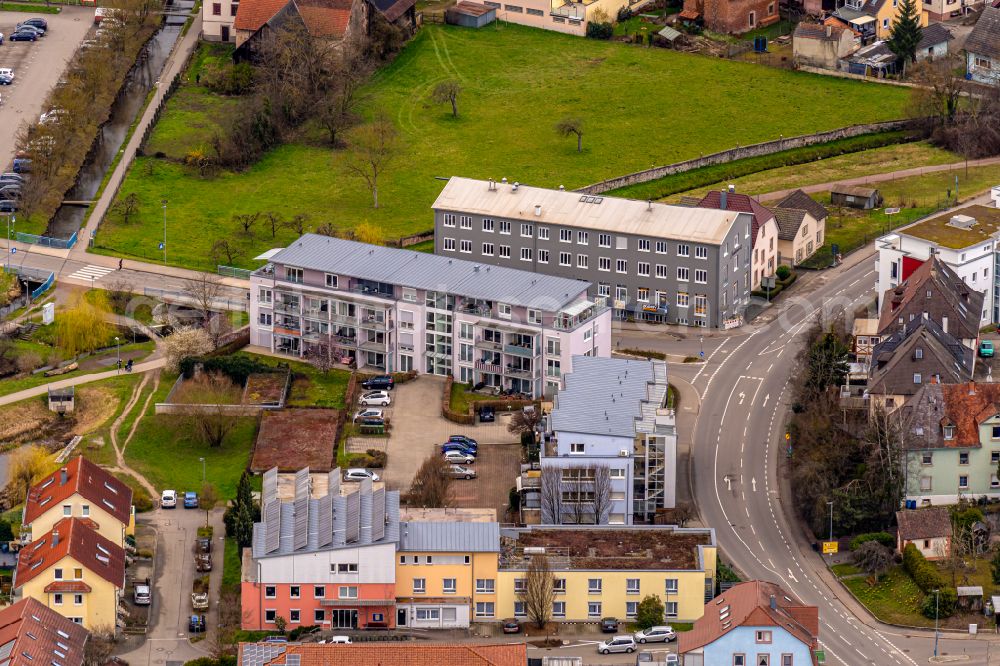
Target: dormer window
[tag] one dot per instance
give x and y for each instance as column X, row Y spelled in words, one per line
column 949, row 432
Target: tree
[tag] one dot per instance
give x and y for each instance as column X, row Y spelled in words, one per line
column 905, row 34
column 446, row 92
column 213, row 406
column 207, row 500
column 83, row 327
column 242, row 514
column 127, row 207
column 321, row 357
column 204, row 290
column 27, row 466
column 223, row 248
column 602, row 494
column 119, row 294
column 246, row 222
column 185, row 343
column 995, row 567
column 649, row 613
column 826, row 362
column 552, row 498
column 372, row 149
column 940, row 85
column 873, row 558
column 298, row 223
column 274, row 222
column 524, row 421
column 569, row 126
column 366, row 232
column 539, row 590
column 431, row 485
column 99, row 646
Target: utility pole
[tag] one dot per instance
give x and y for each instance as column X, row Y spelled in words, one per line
column 937, row 606
column 830, row 503
column 164, row 231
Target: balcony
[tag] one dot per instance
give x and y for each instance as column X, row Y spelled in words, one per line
column 317, row 313
column 568, row 323
column 284, row 330
column 519, row 373
column 344, row 341
column 289, row 307
column 483, row 343
column 343, row 318
column 375, row 323
column 372, row 345
column 519, row 350
column 489, row 367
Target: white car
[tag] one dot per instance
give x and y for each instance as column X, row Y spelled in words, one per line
column 663, row 634
column 368, row 414
column 359, row 473
column 375, row 398
column 459, row 458
column 342, row 640
column 169, row 499
column 7, row 71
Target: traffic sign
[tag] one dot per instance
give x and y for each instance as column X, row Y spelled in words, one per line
column 160, row 246
column 831, row 547
column 702, row 354
column 13, row 250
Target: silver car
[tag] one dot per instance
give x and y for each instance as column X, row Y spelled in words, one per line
column 459, row 472
column 617, row 644
column 662, row 634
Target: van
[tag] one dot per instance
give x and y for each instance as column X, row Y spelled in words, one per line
column 617, row 644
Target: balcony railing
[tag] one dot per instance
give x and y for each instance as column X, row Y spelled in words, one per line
column 518, row 350
column 288, row 307
column 284, row 330
column 489, row 367
column 521, row 373
column 372, row 345
column 483, row 343
column 343, row 318
column 573, row 322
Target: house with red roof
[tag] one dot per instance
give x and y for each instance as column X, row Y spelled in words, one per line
column 763, row 230
column 753, row 624
column 81, row 489
column 74, row 571
column 30, row 633
column 382, row 654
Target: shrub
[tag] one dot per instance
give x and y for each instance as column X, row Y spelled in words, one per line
column 299, row 631
column 624, row 14
column 883, row 538
column 28, row 361
column 6, row 533
column 378, row 458
column 228, row 79
column 527, row 439
column 940, row 605
column 650, row 612
column 597, row 30
column 783, row 272
column 924, row 574
column 237, row 368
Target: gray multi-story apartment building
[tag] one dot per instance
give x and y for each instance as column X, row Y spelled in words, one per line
column 648, row 261
column 392, row 310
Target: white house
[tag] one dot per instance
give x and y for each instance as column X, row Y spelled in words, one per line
column 612, row 414
column 982, row 48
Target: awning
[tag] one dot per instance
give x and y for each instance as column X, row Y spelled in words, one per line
column 351, row 603
column 862, row 20
column 267, row 255
column 576, row 308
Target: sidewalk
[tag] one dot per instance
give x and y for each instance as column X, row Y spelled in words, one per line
column 76, row 381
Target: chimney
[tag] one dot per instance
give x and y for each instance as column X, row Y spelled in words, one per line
column 63, row 473
column 562, row 188
column 774, row 602
column 55, row 538
column 723, row 199
column 538, row 211
column 516, row 185
column 504, row 180
column 829, row 30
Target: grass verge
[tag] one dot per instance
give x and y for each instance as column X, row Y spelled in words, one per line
column 8, row 386
column 25, row 7
column 310, row 387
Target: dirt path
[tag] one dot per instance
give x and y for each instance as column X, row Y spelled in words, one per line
column 120, row 450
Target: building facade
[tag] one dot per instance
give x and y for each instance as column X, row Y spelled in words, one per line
column 601, row 571
column 966, row 240
column 982, row 48
column 610, row 452
column 217, row 18
column 732, row 16
column 396, row 310
column 568, row 17
column 763, row 230
column 648, row 261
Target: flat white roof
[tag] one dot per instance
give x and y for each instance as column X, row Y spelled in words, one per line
column 540, row 205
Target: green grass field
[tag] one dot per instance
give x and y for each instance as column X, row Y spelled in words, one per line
column 639, row 107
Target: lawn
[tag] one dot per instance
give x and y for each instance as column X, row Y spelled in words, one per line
column 639, row 107
column 310, row 387
column 231, row 565
column 13, row 385
column 168, row 456
column 895, row 598
column 461, row 398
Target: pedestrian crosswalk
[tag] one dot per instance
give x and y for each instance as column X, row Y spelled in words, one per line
column 90, row 273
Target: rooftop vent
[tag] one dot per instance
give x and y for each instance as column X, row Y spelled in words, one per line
column 504, row 180
column 516, row 185
column 538, row 211
column 962, row 221
column 731, row 188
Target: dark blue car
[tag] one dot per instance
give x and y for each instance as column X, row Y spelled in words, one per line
column 190, row 500
column 468, row 441
column 458, row 446
column 22, row 165
column 24, row 36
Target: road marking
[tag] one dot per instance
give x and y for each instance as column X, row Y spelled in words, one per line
column 792, row 576
column 742, row 396
column 753, row 482
column 90, row 272
column 764, row 404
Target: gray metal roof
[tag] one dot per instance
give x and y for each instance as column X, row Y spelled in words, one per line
column 445, row 537
column 605, row 396
column 428, row 271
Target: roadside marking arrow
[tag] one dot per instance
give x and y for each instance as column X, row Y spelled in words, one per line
column 792, row 576
column 742, row 396
column 753, row 482
column 727, row 480
column 764, row 404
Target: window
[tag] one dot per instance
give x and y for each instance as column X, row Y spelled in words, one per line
column 631, row 586
column 534, row 316
column 526, row 254
column 963, row 457
column 519, row 609
column 269, row 615
column 916, row 378
column 963, row 481
column 739, row 660
column 631, row 608
column 621, row 266
column 661, row 247
column 449, row 220
column 487, row 225
column 264, row 296
column 582, row 261
column 700, row 305
column 503, row 310
column 643, row 245
column 67, row 509
column 565, row 259
column 762, row 636
column 683, row 250
column 683, row 274
column 671, row 609
column 604, row 264
column 347, row 592
column 347, row 567
column 701, row 252
column 527, row 230
column 604, row 289
column 505, row 227
column 465, row 222
column 594, row 586
column 558, row 609
column 419, row 585
column 484, row 609
column 543, row 256
column 582, row 237
column 661, row 271
column 448, row 585
column 520, row 585
column 465, row 246
column 428, row 613
column 319, row 616
column 77, row 574
column 293, row 616
column 701, row 276
column 293, row 592
column 670, row 585
column 786, row 660
column 683, row 299
column 57, row 599
column 763, row 659
column 985, row 63
column 643, row 268
column 642, row 295
column 293, row 274
column 594, row 609
column 995, row 457
column 576, row 447
column 505, row 251
column 319, row 591
column 559, row 585
column 949, row 432
column 485, row 586
column 449, row 244
column 918, row 353
column 216, row 9
column 543, row 233
column 927, row 458
column 565, row 236
column 270, row 592
column 604, row 240
column 488, row 249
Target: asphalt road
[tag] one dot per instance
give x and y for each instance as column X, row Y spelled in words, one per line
column 37, row 67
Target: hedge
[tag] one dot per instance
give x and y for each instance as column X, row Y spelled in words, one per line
column 924, row 574
column 883, row 538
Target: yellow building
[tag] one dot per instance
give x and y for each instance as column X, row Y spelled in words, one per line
column 81, row 489
column 601, row 571
column 446, row 568
column 73, row 570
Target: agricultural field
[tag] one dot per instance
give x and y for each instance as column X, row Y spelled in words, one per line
column 639, row 106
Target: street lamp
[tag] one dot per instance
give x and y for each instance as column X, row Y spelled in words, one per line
column 164, row 202
column 11, row 220
column 937, row 606
column 701, row 345
column 118, row 353
column 202, row 460
column 830, row 504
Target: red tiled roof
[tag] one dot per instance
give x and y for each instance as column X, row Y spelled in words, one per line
column 749, row 605
column 325, row 18
column 690, row 15
column 87, row 479
column 252, row 14
column 39, row 632
column 741, row 203
column 966, row 406
column 314, row 654
column 927, row 523
column 68, row 586
column 75, row 539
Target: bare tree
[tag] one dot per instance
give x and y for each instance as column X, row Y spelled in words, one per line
column 552, row 499
column 274, row 222
column 539, row 591
column 223, row 248
column 602, row 493
column 524, row 421
column 207, row 500
column 204, row 290
column 326, row 229
column 119, row 293
column 127, row 207
column 940, row 87
column 99, row 647
column 873, row 558
column 298, row 223
column 570, row 126
column 214, row 406
column 321, row 357
column 446, row 92
column 372, row 149
column 246, row 222
column 431, row 485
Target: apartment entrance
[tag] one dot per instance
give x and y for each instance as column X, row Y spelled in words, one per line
column 344, row 618
column 400, row 617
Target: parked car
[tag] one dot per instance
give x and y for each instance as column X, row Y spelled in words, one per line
column 661, row 634
column 657, row 657
column 609, row 625
column 468, row 441
column 204, row 544
column 385, row 382
column 190, row 500
column 459, row 472
column 487, row 414
column 11, row 177
column 616, row 644
column 277, row 639
column 7, row 72
column 511, row 626
column 373, row 422
column 196, row 624
column 115, row 660
column 27, row 26
column 986, row 349
column 26, row 35
column 10, row 191
column 8, row 206
column 343, row 640
column 455, row 446
column 37, row 22
column 359, row 473
column 203, row 562
column 375, row 398
column 169, row 499
column 1, row 38
column 22, row 165
column 199, row 601
column 6, row 80
column 52, row 115
column 142, row 594
column 368, row 413
column 459, row 458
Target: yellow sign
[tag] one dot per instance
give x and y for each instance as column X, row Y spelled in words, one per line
column 830, row 547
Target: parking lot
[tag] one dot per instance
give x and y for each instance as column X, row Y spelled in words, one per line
column 37, row 66
column 418, row 430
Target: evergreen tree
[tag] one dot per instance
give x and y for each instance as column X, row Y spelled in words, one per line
column 905, row 34
column 242, row 514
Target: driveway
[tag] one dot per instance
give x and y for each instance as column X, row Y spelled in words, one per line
column 167, row 639
column 37, row 67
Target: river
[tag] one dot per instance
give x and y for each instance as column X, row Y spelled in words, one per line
column 69, row 219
